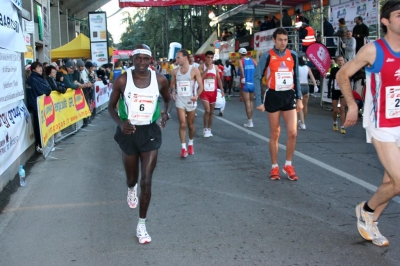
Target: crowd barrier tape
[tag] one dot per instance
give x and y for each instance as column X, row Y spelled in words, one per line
column 60, row 111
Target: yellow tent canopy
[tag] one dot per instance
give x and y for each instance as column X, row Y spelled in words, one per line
column 77, row 48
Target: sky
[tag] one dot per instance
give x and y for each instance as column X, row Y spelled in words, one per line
column 114, row 23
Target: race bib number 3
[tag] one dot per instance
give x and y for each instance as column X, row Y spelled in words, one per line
column 142, row 108
column 283, row 81
column 392, row 102
column 209, row 84
column 183, row 88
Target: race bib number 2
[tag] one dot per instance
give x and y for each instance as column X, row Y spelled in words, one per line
column 392, row 102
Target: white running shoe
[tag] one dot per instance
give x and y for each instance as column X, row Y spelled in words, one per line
column 132, row 198
column 249, row 124
column 367, row 228
column 209, row 133
column 142, row 234
column 303, row 126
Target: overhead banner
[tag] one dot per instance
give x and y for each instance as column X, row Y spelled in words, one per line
column 102, row 92
column 59, row 111
column 11, row 87
column 11, row 34
column 155, row 3
column 368, row 10
column 16, row 133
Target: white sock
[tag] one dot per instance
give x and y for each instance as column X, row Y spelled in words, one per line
column 288, row 163
column 142, row 221
column 250, row 121
column 274, row 165
column 342, row 127
column 190, row 142
column 334, row 122
column 184, row 146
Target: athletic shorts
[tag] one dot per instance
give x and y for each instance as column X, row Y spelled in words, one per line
column 168, row 76
column 210, row 97
column 145, row 138
column 279, row 100
column 248, row 87
column 336, row 94
column 227, row 78
column 185, row 103
column 305, row 89
column 385, row 134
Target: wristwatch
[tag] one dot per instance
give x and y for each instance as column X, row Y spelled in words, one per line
column 168, row 115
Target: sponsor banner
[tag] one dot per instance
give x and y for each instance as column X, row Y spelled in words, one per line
column 16, row 133
column 319, row 56
column 17, row 3
column 102, row 93
column 368, row 10
column 11, row 34
column 11, row 87
column 59, row 111
column 98, row 27
column 151, row 3
column 99, row 52
column 263, row 40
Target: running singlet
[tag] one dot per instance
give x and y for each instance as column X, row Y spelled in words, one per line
column 303, row 74
column 140, row 105
column 184, row 84
column 279, row 72
column 382, row 99
column 248, row 69
column 210, row 81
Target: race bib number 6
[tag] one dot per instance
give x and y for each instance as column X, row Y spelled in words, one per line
column 142, row 108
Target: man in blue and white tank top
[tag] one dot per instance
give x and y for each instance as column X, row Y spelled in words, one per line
column 185, row 93
column 139, row 136
column 247, row 67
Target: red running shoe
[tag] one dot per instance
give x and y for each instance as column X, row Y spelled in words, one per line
column 274, row 174
column 289, row 171
column 184, row 153
column 190, row 150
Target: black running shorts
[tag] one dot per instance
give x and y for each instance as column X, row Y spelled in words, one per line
column 336, row 94
column 145, row 138
column 279, row 100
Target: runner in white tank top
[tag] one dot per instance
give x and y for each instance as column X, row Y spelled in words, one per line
column 138, row 134
column 185, row 94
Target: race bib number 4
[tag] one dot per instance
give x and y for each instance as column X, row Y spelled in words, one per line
column 209, row 85
column 183, row 88
column 142, row 108
column 283, row 81
column 392, row 102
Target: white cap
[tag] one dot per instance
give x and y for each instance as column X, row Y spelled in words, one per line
column 298, row 24
column 243, row 51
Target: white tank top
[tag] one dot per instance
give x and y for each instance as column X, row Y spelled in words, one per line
column 303, row 74
column 141, row 103
column 184, row 83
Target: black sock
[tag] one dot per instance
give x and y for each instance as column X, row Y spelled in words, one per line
column 367, row 208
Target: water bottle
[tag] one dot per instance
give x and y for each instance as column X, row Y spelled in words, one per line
column 22, row 180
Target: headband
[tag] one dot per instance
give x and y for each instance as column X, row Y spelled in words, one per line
column 390, row 9
column 141, row 51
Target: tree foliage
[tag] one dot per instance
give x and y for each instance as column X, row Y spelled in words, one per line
column 159, row 26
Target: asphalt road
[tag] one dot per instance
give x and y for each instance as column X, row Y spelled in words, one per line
column 216, row 207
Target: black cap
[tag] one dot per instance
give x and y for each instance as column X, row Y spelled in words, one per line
column 88, row 64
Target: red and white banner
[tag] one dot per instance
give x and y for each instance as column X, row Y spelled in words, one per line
column 16, row 133
column 155, row 3
column 102, row 93
column 263, row 40
column 319, row 56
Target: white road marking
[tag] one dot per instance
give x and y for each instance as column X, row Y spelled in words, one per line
column 325, row 166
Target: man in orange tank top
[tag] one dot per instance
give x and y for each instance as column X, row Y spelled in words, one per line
column 283, row 96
